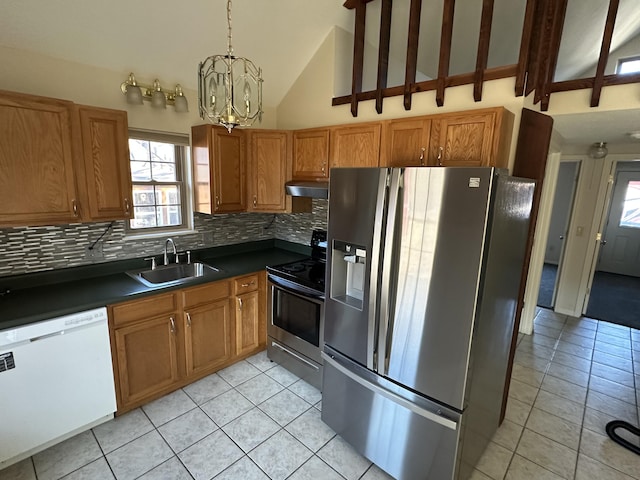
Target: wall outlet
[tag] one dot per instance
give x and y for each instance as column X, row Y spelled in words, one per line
column 94, row 253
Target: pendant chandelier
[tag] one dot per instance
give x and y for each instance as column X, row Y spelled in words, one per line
column 229, row 88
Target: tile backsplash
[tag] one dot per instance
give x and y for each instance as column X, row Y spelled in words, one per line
column 32, row 249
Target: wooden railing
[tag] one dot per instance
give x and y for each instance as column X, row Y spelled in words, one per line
column 539, row 47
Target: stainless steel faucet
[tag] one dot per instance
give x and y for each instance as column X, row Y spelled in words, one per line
column 175, row 255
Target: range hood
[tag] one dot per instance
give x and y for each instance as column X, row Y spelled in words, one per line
column 297, row 188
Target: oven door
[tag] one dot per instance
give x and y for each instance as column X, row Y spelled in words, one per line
column 296, row 317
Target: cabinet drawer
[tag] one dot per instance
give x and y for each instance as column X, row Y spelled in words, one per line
column 248, row 283
column 205, row 293
column 143, row 309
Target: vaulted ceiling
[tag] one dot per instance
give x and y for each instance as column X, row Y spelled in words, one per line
column 167, row 39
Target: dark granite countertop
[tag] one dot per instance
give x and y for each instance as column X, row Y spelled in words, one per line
column 43, row 295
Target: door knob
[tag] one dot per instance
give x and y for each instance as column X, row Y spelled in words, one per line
column 603, row 242
column 561, row 237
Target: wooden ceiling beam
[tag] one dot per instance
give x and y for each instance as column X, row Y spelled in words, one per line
column 360, row 7
column 412, row 51
column 598, row 81
column 484, row 40
column 445, row 49
column 383, row 52
column 525, row 47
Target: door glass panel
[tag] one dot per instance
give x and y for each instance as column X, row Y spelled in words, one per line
column 631, row 208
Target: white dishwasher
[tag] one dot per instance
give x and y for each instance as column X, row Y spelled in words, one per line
column 56, row 380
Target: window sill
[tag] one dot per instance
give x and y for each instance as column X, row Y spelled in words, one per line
column 165, row 234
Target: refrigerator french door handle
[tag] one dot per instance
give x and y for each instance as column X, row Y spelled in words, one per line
column 376, row 255
column 434, row 416
column 385, row 324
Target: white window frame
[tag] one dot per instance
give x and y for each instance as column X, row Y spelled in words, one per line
column 185, row 191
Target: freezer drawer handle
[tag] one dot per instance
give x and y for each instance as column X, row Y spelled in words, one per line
column 286, row 350
column 433, row 416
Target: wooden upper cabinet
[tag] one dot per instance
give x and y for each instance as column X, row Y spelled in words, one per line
column 39, row 155
column 405, row 143
column 355, row 146
column 106, row 175
column 474, row 138
column 311, row 154
column 219, row 169
column 269, row 168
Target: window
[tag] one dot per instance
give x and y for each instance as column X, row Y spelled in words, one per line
column 631, row 208
column 158, row 163
column 628, row 65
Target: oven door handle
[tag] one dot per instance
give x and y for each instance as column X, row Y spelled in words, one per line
column 296, row 290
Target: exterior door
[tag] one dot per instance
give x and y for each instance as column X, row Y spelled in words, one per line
column 620, row 252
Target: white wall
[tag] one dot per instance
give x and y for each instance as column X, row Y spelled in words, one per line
column 27, row 72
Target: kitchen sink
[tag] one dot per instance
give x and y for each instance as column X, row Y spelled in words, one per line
column 174, row 273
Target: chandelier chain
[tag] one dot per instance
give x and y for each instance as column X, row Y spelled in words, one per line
column 230, row 49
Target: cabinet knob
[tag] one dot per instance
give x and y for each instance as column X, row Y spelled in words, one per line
column 240, row 303
column 323, row 169
column 217, row 201
column 245, row 285
column 188, row 319
column 127, row 210
column 173, row 324
column 255, row 201
column 422, row 156
column 440, row 150
column 74, row 205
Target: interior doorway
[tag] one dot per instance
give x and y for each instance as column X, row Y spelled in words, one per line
column 563, row 201
column 614, row 294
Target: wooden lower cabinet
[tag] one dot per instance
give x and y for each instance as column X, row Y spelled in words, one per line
column 163, row 342
column 247, row 310
column 147, row 358
column 207, row 334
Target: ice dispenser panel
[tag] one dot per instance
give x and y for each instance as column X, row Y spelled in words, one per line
column 348, row 265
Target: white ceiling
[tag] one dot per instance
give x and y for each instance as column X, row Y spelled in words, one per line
column 163, row 39
column 167, row 39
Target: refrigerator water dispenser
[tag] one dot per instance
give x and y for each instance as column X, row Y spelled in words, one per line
column 348, row 263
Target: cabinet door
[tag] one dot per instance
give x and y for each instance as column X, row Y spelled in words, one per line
column 405, row 143
column 247, row 323
column 107, row 176
column 357, row 146
column 146, row 356
column 229, row 187
column 311, row 154
column 38, row 159
column 207, row 336
column 269, row 169
column 462, row 139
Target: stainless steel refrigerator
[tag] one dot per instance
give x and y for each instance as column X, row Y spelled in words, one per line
column 423, row 270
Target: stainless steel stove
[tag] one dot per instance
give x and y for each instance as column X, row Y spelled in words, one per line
column 296, row 312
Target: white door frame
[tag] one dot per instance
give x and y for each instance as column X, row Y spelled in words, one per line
column 539, row 243
column 600, row 220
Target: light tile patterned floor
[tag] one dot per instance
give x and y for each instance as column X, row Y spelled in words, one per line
column 569, row 379
column 255, row 420
column 251, row 421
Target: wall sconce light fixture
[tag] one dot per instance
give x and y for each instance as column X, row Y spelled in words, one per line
column 598, row 150
column 159, row 97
